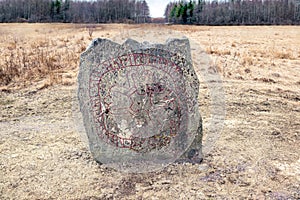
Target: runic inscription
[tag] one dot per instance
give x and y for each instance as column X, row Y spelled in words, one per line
column 137, row 101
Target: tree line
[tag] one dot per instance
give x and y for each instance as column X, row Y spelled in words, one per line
column 74, row 11
column 234, row 12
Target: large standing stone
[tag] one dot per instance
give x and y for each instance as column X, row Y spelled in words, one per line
column 139, row 103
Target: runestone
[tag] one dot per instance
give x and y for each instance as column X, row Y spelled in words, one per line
column 139, row 103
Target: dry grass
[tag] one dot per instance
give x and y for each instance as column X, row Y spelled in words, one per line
column 284, row 55
column 255, row 157
column 30, row 54
column 234, row 50
column 219, row 52
column 33, row 55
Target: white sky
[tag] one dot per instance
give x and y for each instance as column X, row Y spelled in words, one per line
column 157, row 7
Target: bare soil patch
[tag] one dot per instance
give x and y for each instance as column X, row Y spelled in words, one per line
column 256, row 155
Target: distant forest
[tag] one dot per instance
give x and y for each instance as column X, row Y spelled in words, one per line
column 234, row 12
column 199, row 12
column 72, row 11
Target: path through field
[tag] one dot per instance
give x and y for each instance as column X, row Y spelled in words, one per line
column 257, row 156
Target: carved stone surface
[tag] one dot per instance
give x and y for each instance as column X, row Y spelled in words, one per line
column 139, row 103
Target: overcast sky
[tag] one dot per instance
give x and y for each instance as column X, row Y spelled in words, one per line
column 157, row 7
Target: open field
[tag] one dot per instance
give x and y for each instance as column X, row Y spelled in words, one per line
column 257, row 155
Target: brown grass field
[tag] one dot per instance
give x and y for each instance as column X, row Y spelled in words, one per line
column 257, row 155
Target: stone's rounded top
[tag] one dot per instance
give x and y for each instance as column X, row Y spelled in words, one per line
column 139, row 103
column 172, row 44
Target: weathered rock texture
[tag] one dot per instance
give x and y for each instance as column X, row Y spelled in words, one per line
column 139, row 103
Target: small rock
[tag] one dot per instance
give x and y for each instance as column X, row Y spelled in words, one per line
column 203, row 167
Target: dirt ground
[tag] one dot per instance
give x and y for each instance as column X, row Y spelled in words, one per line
column 256, row 156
